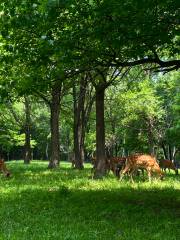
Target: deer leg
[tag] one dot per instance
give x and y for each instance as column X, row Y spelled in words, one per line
column 132, row 180
column 142, row 170
column 131, row 175
column 149, row 175
column 124, row 171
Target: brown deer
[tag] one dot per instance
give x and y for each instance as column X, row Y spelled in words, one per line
column 94, row 164
column 165, row 163
column 116, row 164
column 3, row 168
column 141, row 161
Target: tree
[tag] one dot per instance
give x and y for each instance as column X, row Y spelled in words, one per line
column 83, row 100
column 136, row 34
column 27, row 146
column 25, row 125
column 14, row 134
column 167, row 89
column 73, row 40
column 36, row 51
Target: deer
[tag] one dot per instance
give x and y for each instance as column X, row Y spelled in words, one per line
column 3, row 168
column 116, row 164
column 165, row 163
column 94, row 164
column 141, row 161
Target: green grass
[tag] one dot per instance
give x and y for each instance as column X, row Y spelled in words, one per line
column 40, row 204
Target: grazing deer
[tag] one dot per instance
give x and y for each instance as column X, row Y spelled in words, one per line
column 116, row 164
column 3, row 168
column 165, row 163
column 94, row 163
column 141, row 161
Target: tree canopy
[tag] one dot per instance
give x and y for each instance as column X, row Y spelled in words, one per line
column 48, row 46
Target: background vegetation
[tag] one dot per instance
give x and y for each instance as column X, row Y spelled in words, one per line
column 83, row 79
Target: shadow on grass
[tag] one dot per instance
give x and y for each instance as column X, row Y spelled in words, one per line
column 61, row 213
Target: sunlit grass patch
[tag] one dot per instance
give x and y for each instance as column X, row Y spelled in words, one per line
column 38, row 203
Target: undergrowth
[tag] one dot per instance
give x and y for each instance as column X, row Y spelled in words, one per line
column 66, row 204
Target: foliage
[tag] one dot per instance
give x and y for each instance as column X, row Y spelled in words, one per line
column 168, row 90
column 141, row 106
column 43, row 43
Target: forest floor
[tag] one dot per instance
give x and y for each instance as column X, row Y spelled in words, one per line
column 65, row 204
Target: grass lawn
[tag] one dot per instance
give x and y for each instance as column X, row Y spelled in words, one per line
column 40, row 204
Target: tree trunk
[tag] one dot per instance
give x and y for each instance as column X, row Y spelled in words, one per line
column 83, row 131
column 78, row 157
column 27, row 146
column 164, row 151
column 47, row 148
column 116, row 149
column 174, row 153
column 150, row 135
column 100, row 167
column 78, row 124
column 82, row 111
column 170, row 152
column 54, row 122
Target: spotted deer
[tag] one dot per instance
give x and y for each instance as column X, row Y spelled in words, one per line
column 94, row 164
column 117, row 164
column 141, row 161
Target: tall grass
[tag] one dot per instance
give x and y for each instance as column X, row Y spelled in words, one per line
column 39, row 204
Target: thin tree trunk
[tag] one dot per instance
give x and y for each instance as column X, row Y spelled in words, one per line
column 174, row 153
column 170, row 152
column 27, row 146
column 81, row 115
column 77, row 148
column 124, row 150
column 78, row 106
column 100, row 168
column 116, row 150
column 164, row 151
column 54, row 122
column 47, row 148
column 150, row 135
column 83, row 132
column 113, row 145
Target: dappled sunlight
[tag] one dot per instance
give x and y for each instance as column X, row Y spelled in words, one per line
column 95, row 84
column 37, row 174
column 73, row 203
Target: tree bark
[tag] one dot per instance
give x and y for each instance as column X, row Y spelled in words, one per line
column 174, row 153
column 170, row 152
column 83, row 101
column 27, row 145
column 164, row 151
column 54, row 122
column 79, row 129
column 100, row 167
column 149, row 123
column 47, row 148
